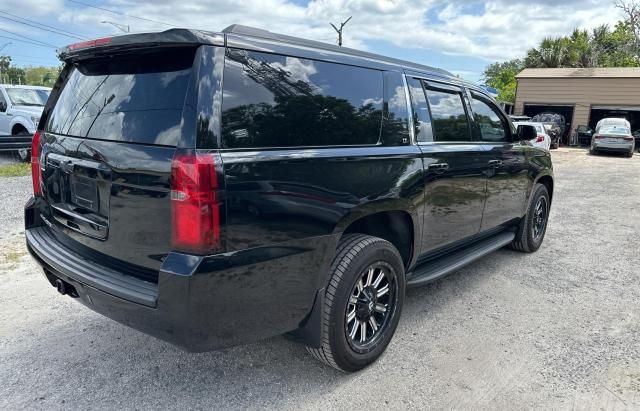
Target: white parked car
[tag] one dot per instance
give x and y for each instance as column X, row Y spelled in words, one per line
column 613, row 135
column 543, row 140
column 21, row 108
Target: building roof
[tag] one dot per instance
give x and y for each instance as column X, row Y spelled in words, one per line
column 602, row 72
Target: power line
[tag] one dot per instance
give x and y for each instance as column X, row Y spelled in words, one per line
column 120, row 13
column 28, row 42
column 41, row 28
column 30, row 38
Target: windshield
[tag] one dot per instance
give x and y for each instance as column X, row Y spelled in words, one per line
column 615, row 130
column 27, row 96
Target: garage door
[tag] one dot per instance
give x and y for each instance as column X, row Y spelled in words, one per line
column 631, row 113
column 564, row 110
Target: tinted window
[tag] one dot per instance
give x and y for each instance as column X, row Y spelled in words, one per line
column 492, row 127
column 421, row 116
column 137, row 99
column 395, row 128
column 450, row 121
column 278, row 101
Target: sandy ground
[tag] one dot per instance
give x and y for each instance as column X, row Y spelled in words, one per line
column 556, row 329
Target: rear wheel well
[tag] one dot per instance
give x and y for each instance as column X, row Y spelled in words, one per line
column 394, row 226
column 18, row 129
column 547, row 181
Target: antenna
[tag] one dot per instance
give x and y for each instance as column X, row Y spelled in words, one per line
column 339, row 31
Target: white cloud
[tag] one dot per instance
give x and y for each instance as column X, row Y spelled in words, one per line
column 495, row 29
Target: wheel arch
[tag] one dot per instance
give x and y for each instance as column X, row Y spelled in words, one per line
column 547, row 181
column 398, row 225
column 17, row 126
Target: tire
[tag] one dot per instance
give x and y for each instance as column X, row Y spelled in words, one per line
column 356, row 255
column 630, row 154
column 592, row 152
column 22, row 155
column 530, row 233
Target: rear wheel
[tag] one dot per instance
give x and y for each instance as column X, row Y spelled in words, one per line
column 533, row 225
column 363, row 302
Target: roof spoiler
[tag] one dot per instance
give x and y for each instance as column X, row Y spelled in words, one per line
column 167, row 38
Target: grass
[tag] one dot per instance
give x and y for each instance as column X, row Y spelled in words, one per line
column 15, row 170
column 13, row 256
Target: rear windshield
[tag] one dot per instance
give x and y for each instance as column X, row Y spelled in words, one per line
column 614, row 130
column 128, row 98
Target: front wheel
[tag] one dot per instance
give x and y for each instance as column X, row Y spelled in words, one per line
column 362, row 304
column 533, row 225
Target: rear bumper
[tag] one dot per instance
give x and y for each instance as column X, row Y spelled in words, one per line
column 200, row 303
column 614, row 147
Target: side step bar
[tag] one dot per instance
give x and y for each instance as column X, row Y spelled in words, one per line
column 434, row 269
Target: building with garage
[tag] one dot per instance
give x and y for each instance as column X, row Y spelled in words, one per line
column 582, row 95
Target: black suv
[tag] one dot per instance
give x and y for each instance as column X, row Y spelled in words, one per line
column 213, row 189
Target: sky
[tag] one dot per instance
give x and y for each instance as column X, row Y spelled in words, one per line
column 462, row 36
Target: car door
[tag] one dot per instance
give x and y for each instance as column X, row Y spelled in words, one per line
column 454, row 178
column 506, row 161
column 5, row 118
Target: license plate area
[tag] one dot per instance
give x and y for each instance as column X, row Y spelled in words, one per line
column 84, row 193
column 78, row 193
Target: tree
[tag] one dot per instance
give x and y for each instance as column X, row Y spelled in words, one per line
column 631, row 10
column 502, row 76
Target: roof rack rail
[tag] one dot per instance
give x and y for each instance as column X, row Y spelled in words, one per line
column 248, row 31
column 242, row 30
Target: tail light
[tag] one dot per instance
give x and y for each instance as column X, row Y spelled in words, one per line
column 597, row 137
column 540, row 138
column 195, row 210
column 36, row 176
column 628, row 139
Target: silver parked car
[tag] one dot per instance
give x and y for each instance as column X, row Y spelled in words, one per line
column 613, row 135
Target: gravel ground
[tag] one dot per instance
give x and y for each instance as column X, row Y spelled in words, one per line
column 556, row 329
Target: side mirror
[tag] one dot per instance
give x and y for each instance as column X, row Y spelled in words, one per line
column 526, row 132
column 3, row 106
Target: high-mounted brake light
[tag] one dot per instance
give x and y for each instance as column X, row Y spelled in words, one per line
column 195, row 210
column 35, row 164
column 91, row 43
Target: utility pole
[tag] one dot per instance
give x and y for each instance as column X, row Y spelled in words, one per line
column 339, row 31
column 124, row 27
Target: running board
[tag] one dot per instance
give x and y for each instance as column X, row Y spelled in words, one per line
column 434, row 269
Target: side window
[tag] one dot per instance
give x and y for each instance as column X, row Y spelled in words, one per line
column 450, row 122
column 395, row 128
column 279, row 101
column 3, row 103
column 421, row 116
column 491, row 124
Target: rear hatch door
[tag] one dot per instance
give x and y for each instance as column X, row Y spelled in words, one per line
column 106, row 154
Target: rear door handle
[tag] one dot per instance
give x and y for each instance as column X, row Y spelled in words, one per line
column 438, row 166
column 495, row 163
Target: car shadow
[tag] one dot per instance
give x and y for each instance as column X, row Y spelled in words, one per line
column 80, row 355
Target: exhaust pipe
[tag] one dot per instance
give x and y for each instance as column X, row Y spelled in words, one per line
column 65, row 288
